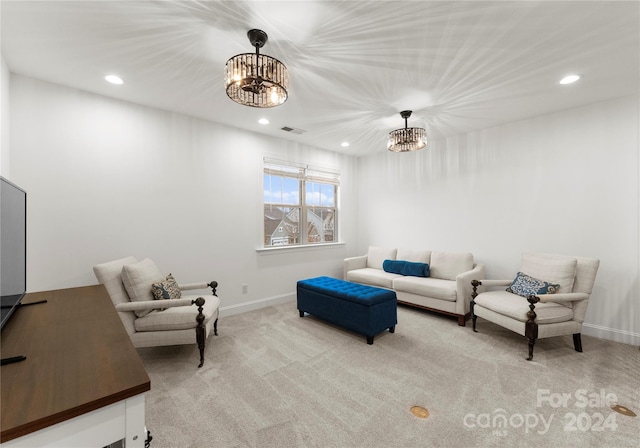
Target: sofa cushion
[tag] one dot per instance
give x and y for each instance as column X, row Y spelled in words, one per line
column 374, row 277
column 418, row 256
column 427, row 286
column 517, row 307
column 403, row 267
column 447, row 265
column 551, row 268
column 377, row 255
column 179, row 317
column 137, row 279
column 525, row 285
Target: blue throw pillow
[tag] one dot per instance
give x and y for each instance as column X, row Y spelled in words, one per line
column 402, row 267
column 392, row 266
column 525, row 286
column 415, row 269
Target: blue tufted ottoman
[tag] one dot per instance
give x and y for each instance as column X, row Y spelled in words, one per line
column 364, row 309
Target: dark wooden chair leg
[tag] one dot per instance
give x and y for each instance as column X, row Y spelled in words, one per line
column 577, row 342
column 472, row 304
column 531, row 327
column 214, row 285
column 532, row 342
column 200, row 329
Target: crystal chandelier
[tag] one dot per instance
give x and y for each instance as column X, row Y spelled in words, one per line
column 407, row 139
column 256, row 80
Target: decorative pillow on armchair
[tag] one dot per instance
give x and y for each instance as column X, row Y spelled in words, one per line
column 525, row 286
column 167, row 289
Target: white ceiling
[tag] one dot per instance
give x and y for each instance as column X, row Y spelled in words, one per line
column 353, row 65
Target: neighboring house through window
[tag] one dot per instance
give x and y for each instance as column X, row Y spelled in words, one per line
column 294, row 191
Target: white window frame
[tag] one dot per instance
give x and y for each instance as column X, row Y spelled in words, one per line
column 304, row 173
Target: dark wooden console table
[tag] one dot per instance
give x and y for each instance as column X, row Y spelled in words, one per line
column 81, row 375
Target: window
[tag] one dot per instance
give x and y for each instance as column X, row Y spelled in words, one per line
column 296, row 191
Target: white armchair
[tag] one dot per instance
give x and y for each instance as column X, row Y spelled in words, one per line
column 151, row 322
column 549, row 297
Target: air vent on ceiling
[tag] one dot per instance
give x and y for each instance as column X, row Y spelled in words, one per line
column 292, row 130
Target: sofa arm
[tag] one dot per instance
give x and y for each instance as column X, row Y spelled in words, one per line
column 489, row 283
column 354, row 263
column 563, row 298
column 576, row 300
column 202, row 285
column 464, row 289
column 152, row 304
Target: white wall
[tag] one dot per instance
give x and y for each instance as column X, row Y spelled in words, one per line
column 564, row 183
column 107, row 179
column 4, row 118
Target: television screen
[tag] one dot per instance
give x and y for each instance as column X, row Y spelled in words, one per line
column 13, row 247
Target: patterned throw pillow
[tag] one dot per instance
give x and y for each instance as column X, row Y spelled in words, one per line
column 168, row 289
column 525, row 285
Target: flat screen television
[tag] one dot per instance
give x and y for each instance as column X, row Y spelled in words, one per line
column 13, row 247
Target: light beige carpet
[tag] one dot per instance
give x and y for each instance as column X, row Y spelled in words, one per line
column 273, row 379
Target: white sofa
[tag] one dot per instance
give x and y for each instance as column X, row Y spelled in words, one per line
column 446, row 290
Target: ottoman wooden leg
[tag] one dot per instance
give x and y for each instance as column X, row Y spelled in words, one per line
column 392, row 329
column 301, row 313
column 370, row 340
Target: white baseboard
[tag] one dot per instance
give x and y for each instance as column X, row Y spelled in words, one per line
column 256, row 304
column 611, row 334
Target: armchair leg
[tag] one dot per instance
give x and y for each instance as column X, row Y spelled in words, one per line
column 531, row 327
column 472, row 304
column 532, row 342
column 474, row 318
column 577, row 342
column 200, row 340
column 200, row 329
column 215, row 328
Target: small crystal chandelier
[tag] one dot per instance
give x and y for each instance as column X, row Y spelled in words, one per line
column 256, row 80
column 407, row 139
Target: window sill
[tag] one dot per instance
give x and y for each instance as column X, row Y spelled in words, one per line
column 282, row 249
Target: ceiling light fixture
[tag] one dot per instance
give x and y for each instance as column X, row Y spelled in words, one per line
column 113, row 79
column 256, row 80
column 407, row 139
column 344, row 144
column 263, row 121
column 570, row 79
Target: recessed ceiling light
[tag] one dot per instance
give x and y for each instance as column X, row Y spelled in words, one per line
column 113, row 79
column 570, row 79
column 344, row 144
column 263, row 121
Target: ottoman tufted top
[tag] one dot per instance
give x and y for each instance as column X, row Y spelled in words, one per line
column 353, row 292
